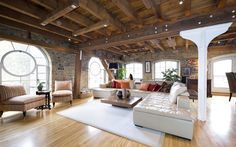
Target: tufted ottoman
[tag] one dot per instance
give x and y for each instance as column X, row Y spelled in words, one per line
column 156, row 112
column 103, row 92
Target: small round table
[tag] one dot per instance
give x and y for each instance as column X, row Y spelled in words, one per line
column 47, row 98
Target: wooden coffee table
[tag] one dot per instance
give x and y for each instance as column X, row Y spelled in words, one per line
column 126, row 103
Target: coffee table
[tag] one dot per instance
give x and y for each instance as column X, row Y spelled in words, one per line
column 125, row 103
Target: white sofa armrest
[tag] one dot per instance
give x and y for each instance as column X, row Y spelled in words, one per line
column 183, row 102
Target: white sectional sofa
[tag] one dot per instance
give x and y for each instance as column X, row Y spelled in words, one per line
column 158, row 113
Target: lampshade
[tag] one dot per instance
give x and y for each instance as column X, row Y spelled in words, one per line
column 113, row 65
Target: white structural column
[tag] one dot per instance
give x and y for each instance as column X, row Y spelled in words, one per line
column 202, row 37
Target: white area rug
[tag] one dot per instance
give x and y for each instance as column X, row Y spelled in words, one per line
column 115, row 120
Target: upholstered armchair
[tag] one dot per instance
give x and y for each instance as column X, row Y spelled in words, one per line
column 232, row 83
column 62, row 92
column 14, row 98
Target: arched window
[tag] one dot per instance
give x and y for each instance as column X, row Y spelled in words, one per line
column 162, row 66
column 97, row 74
column 23, row 64
column 136, row 69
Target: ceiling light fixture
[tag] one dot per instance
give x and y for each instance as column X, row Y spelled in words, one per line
column 199, row 22
column 233, row 11
column 181, row 2
column 75, row 35
column 73, row 6
column 211, row 16
column 233, row 16
column 43, row 24
column 69, row 39
column 105, row 25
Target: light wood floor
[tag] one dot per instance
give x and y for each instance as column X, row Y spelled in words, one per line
column 50, row 129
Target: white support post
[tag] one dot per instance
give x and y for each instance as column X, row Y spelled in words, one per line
column 202, row 37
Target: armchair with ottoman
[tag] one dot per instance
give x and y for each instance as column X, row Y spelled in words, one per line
column 14, row 98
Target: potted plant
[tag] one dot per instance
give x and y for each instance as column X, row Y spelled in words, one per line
column 171, row 75
column 121, row 73
column 40, row 85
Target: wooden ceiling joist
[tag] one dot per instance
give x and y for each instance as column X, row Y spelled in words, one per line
column 93, row 27
column 127, row 9
column 187, row 7
column 187, row 45
column 155, row 6
column 157, row 43
column 20, row 18
column 149, row 47
column 221, row 3
column 100, row 12
column 158, row 32
column 113, row 51
column 171, row 42
column 60, row 12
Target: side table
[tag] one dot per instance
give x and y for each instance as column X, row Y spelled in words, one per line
column 47, row 98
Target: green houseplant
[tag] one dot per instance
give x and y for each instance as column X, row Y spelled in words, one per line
column 40, row 85
column 121, row 73
column 171, row 75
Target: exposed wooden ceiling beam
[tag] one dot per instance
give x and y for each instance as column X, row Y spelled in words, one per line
column 10, row 33
column 93, row 27
column 158, row 32
column 149, row 47
column 157, row 43
column 221, row 3
column 75, row 17
column 187, row 7
column 113, row 51
column 27, row 20
column 171, row 42
column 127, row 9
column 100, row 12
column 155, row 6
column 59, row 12
column 187, row 45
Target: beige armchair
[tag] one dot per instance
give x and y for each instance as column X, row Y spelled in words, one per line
column 14, row 98
column 62, row 92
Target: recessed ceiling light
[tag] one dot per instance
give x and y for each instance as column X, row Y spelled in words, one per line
column 105, row 25
column 43, row 24
column 233, row 16
column 166, row 25
column 211, row 16
column 218, row 42
column 233, row 11
column 181, row 2
column 75, row 35
column 69, row 39
column 166, row 29
column 199, row 22
column 73, row 6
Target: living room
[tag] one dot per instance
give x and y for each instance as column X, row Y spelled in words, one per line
column 117, row 73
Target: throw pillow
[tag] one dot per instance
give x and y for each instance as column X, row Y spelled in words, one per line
column 157, row 87
column 125, row 84
column 113, row 85
column 175, row 91
column 144, row 86
column 165, row 87
column 151, row 87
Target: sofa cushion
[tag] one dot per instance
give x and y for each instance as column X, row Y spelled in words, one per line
column 157, row 87
column 62, row 93
column 176, row 90
column 144, row 86
column 23, row 99
column 151, row 87
column 63, row 85
column 165, row 87
column 158, row 104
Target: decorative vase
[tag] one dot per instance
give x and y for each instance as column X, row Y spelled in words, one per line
column 119, row 94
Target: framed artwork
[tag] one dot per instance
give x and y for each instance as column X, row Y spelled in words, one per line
column 186, row 71
column 147, row 66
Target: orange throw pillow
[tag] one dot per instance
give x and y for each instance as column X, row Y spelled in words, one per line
column 125, row 84
column 144, row 86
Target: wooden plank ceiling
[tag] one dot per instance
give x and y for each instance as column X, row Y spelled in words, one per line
column 120, row 26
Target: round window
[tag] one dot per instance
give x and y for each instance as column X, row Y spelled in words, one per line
column 95, row 68
column 18, row 63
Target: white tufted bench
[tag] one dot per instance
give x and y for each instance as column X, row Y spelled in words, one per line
column 156, row 112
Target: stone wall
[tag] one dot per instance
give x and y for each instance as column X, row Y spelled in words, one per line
column 63, row 66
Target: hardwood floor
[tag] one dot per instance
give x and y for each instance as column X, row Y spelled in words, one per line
column 47, row 128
